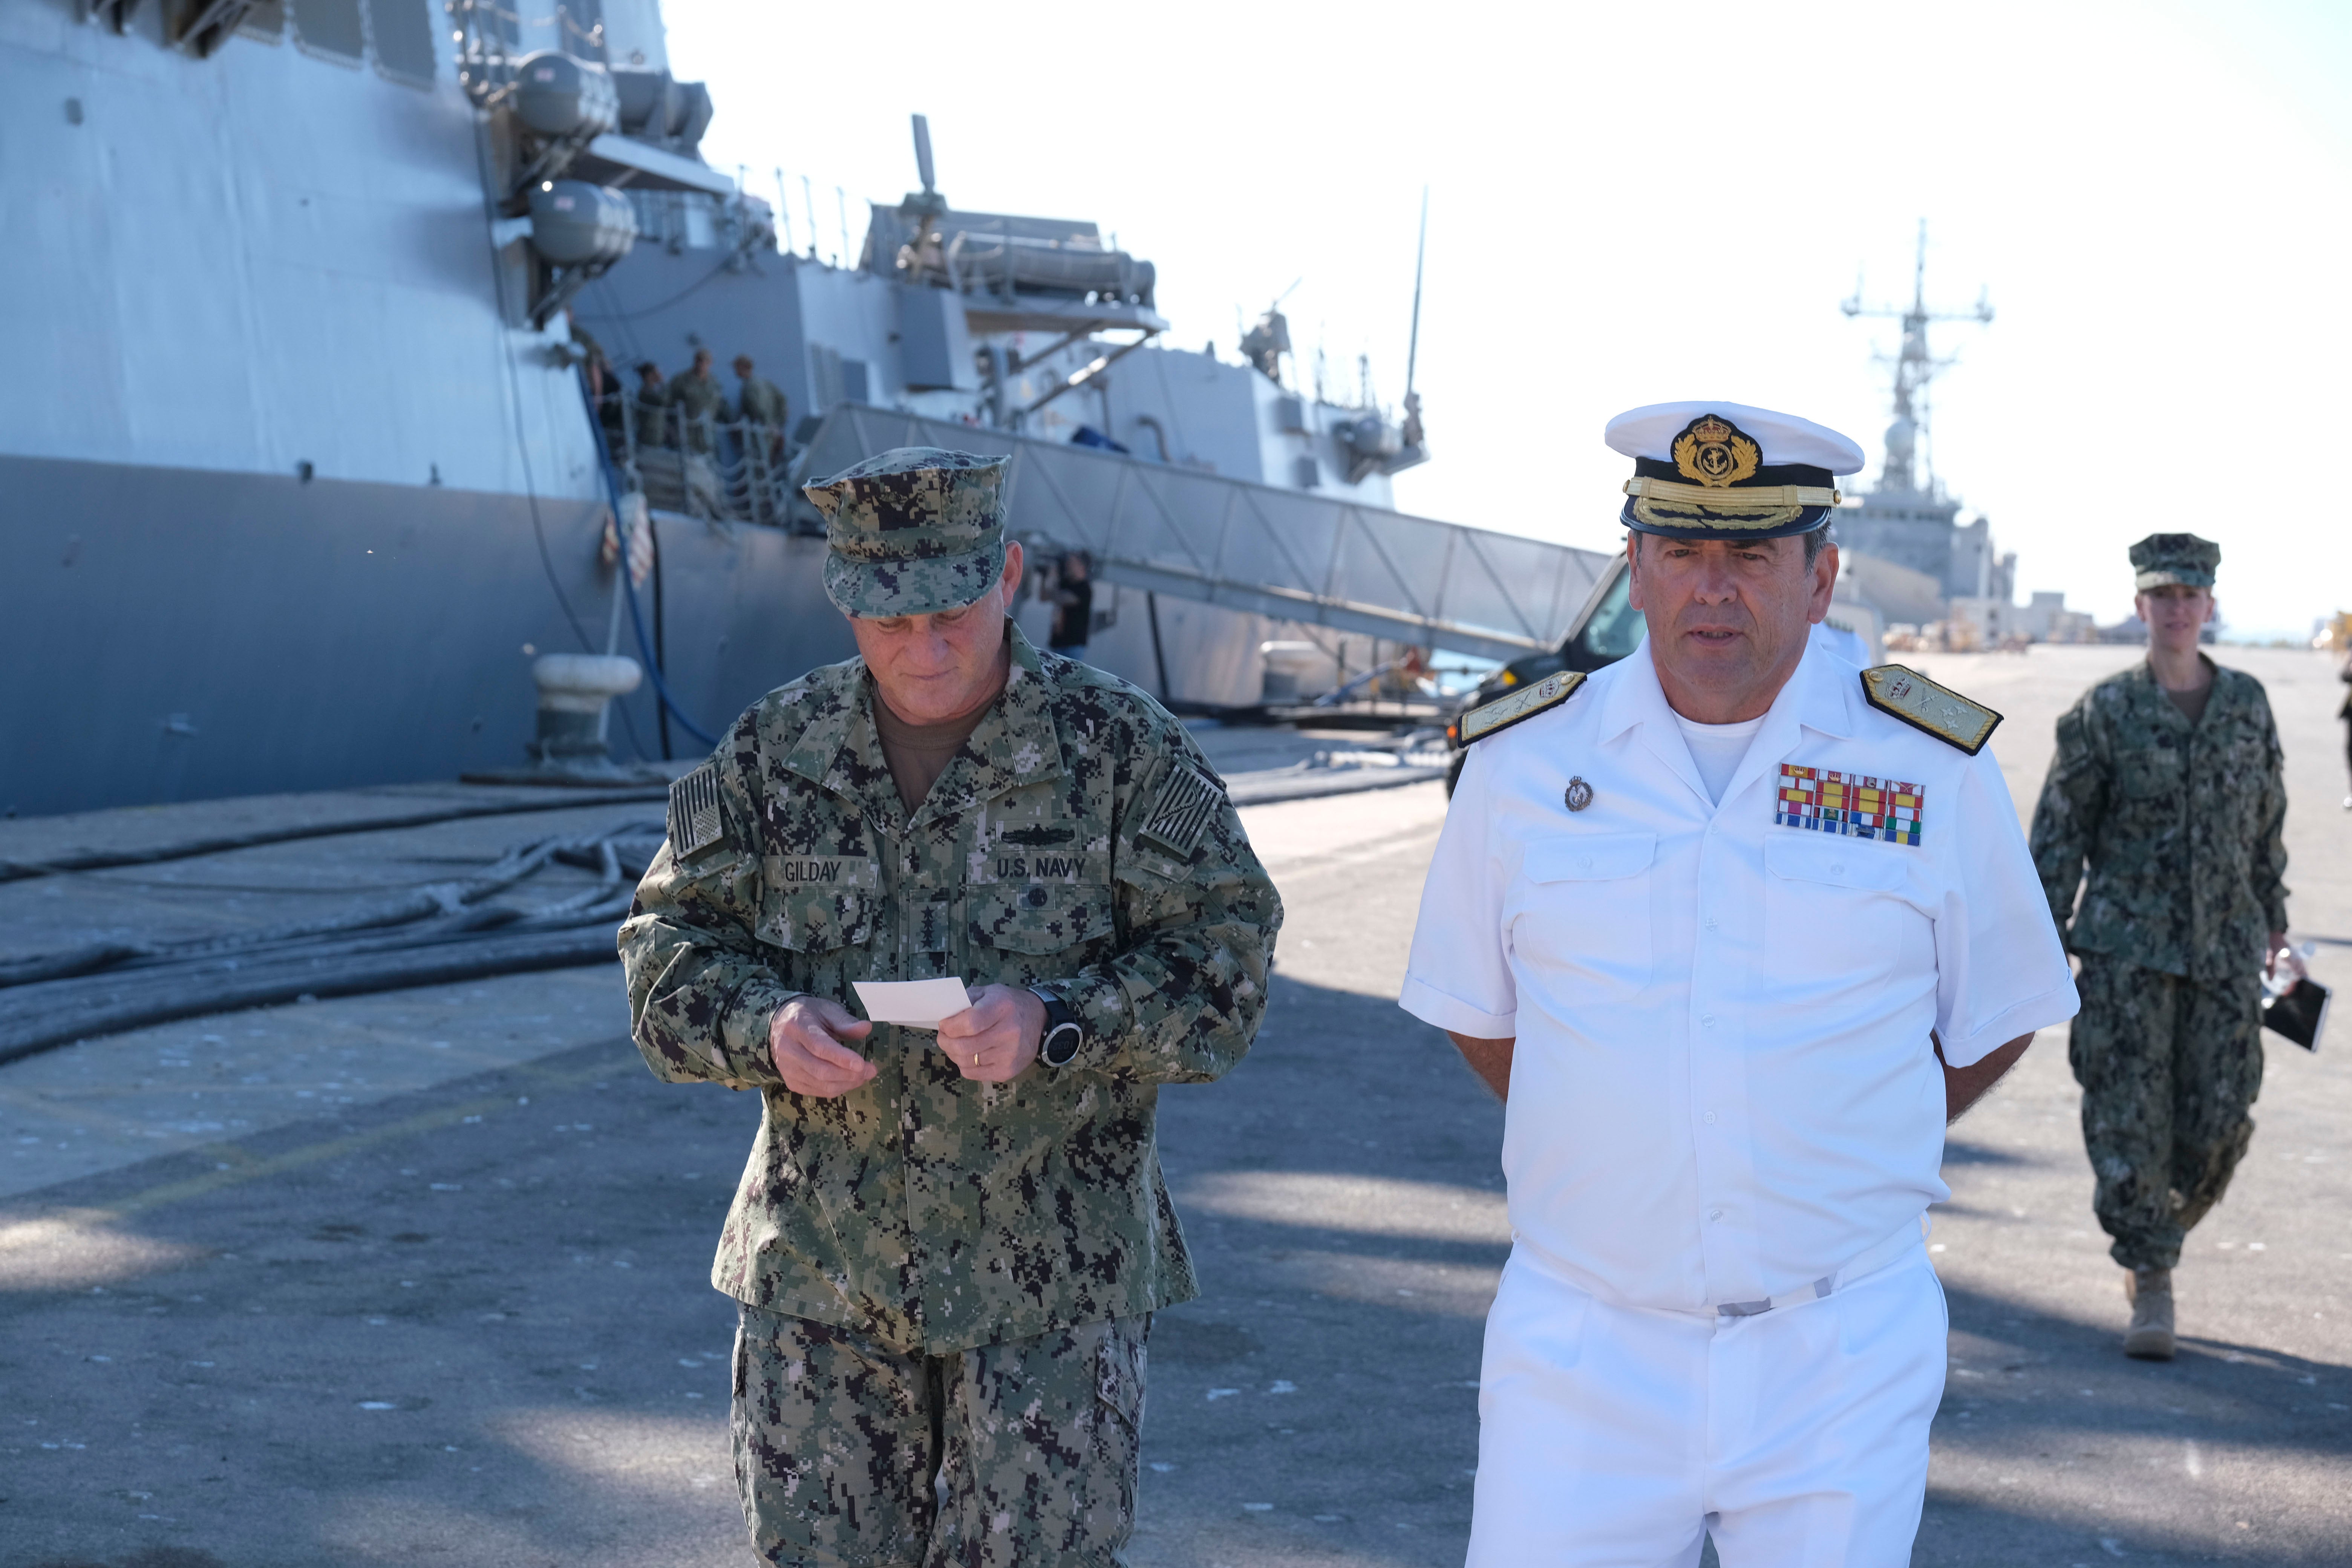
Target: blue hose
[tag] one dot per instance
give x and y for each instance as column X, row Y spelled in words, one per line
column 629, row 585
column 653, row 670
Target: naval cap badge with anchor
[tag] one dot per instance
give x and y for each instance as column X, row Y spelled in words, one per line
column 1726, row 470
column 1714, row 453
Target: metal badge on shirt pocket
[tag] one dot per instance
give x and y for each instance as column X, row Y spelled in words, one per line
column 1849, row 806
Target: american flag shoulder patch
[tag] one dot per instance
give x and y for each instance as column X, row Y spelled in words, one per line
column 1849, row 806
column 1180, row 811
column 694, row 811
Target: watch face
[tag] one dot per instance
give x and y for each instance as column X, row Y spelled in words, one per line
column 1060, row 1045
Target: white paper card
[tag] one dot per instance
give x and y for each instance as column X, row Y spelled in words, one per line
column 917, row 1004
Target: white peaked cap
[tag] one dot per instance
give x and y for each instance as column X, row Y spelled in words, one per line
column 1650, row 433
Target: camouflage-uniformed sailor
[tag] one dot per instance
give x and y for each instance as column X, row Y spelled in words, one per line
column 700, row 400
column 947, row 1248
column 758, row 400
column 651, row 415
column 2168, row 783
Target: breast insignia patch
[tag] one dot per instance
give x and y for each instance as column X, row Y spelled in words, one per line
column 1907, row 695
column 1181, row 810
column 1850, row 805
column 1493, row 718
column 694, row 811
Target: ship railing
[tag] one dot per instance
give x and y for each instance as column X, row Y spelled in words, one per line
column 735, row 470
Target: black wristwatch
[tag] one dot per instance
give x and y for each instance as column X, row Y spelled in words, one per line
column 1063, row 1033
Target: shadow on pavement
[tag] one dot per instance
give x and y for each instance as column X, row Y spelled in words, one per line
column 469, row 1325
column 473, row 1325
column 1964, row 1151
column 2160, row 1459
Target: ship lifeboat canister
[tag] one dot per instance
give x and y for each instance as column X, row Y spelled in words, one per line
column 575, row 223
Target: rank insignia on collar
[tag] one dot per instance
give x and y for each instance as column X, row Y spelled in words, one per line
column 1907, row 695
column 1493, row 718
column 1849, row 806
column 694, row 811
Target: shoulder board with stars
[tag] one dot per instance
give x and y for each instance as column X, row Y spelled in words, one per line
column 694, row 811
column 1493, row 718
column 1904, row 693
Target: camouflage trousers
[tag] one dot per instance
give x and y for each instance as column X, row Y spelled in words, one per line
column 2169, row 1070
column 850, row 1453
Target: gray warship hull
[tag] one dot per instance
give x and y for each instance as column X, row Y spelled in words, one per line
column 179, row 634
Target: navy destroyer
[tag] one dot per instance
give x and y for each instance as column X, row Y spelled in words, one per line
column 313, row 465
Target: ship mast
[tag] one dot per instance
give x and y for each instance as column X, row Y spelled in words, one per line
column 1914, row 367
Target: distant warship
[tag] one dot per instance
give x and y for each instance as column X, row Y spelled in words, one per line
column 1909, row 521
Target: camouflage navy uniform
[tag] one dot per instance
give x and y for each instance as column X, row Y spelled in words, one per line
column 939, row 1276
column 700, row 401
column 650, row 417
column 2180, row 824
column 760, row 401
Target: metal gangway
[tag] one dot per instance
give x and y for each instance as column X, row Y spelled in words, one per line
column 1294, row 555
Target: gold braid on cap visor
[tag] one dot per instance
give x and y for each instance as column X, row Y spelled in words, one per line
column 1669, row 505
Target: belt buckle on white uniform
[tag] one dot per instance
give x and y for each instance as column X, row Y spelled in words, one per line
column 1870, row 1261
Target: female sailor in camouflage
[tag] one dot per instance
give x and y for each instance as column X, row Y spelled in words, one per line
column 2168, row 783
column 948, row 1245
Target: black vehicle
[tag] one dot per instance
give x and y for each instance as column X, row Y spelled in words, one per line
column 1604, row 631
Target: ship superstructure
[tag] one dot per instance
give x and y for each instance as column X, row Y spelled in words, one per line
column 308, row 465
column 1909, row 518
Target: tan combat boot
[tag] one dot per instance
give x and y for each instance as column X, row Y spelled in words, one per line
column 2149, row 1291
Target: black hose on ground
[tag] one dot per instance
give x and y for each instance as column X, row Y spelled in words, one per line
column 352, row 976
column 187, row 849
column 423, row 903
column 437, row 936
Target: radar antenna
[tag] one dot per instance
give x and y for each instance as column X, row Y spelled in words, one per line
column 1411, row 433
column 923, row 154
column 1265, row 344
column 1914, row 367
column 918, row 253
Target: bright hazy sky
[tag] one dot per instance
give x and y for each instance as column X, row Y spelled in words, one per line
column 1636, row 203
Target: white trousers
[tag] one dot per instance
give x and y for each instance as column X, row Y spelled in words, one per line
column 1615, row 1437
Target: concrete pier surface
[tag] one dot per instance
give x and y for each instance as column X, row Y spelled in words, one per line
column 422, row 1276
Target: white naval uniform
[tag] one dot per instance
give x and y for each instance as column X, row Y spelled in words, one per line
column 1723, row 1095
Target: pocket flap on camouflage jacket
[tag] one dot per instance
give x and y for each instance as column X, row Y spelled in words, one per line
column 2149, row 771
column 812, row 919
column 1119, row 1367
column 1040, row 916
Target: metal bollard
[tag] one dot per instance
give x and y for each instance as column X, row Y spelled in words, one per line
column 575, row 696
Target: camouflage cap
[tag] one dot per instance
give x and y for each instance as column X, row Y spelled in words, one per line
column 2173, row 560
column 912, row 531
